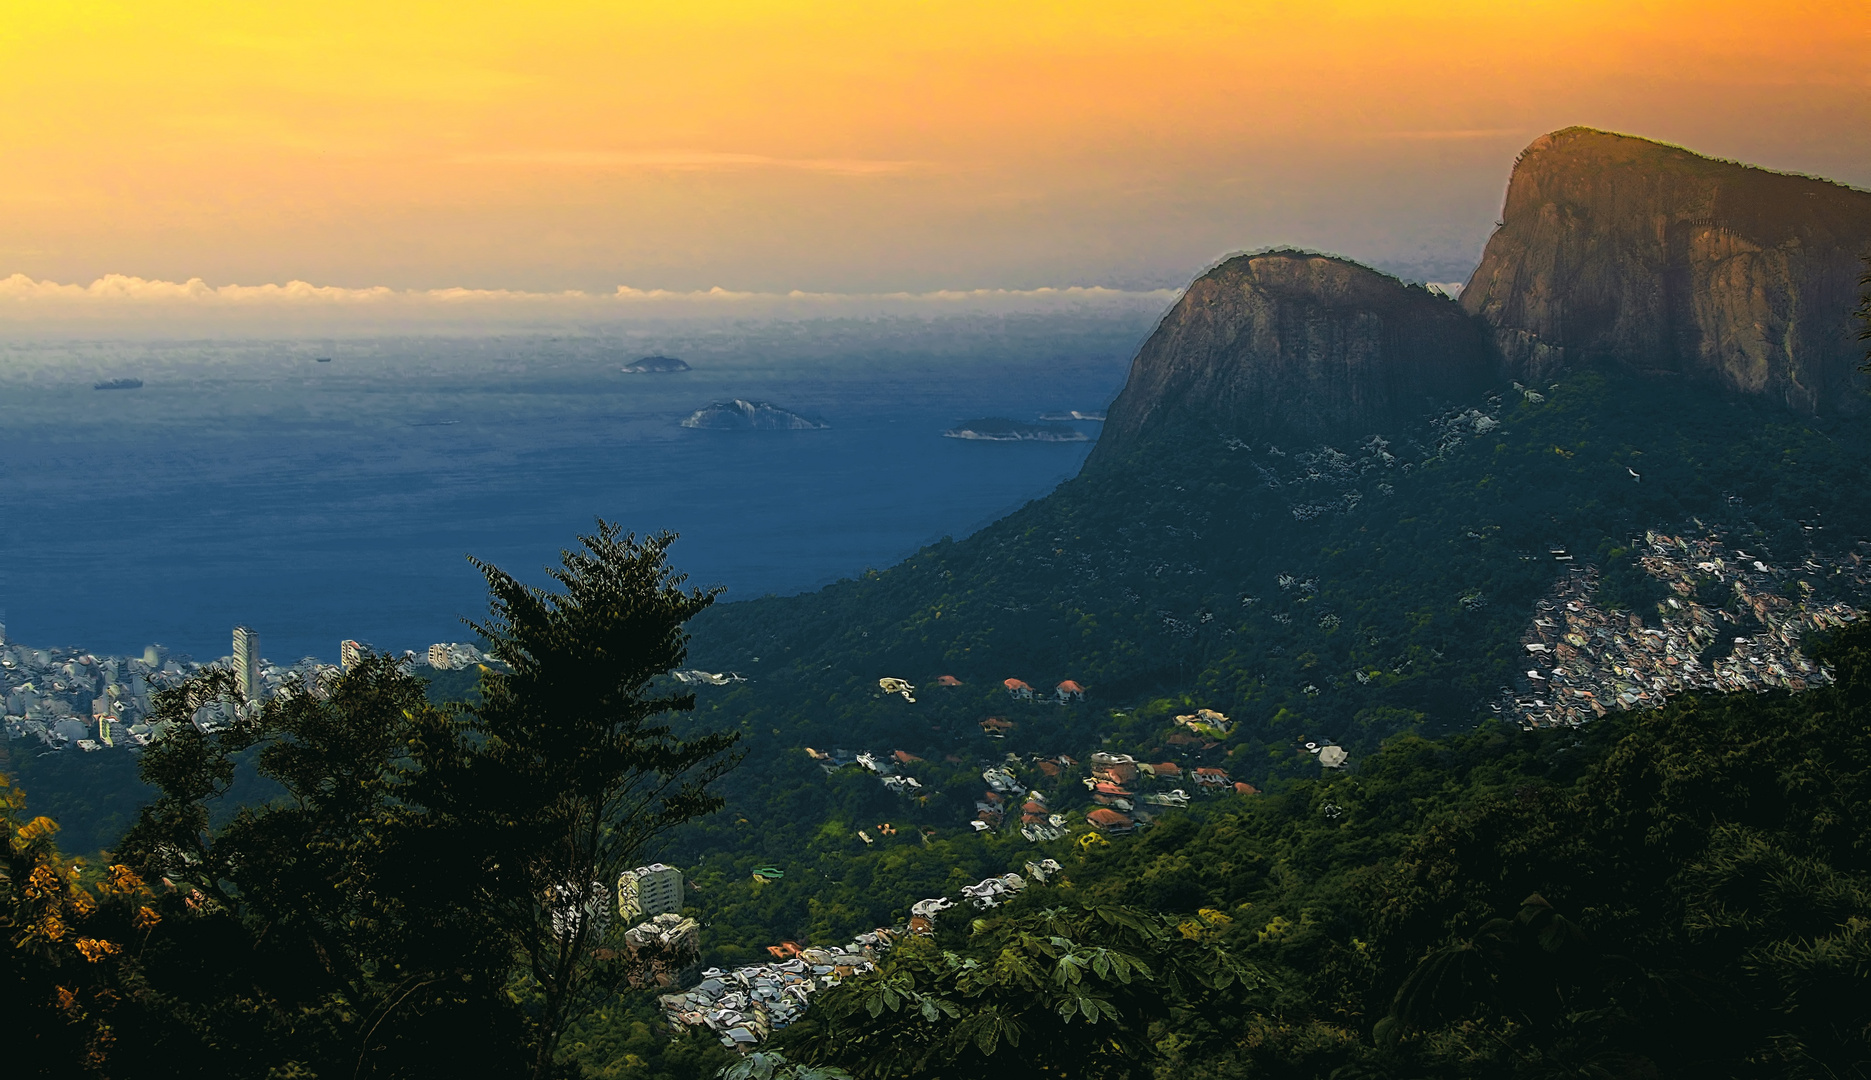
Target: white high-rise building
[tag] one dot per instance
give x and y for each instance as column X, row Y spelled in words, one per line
column 349, row 653
column 247, row 662
column 649, row 891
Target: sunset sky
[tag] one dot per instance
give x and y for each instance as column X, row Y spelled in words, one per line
column 852, row 147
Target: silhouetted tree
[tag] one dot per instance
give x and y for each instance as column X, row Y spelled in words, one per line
column 543, row 792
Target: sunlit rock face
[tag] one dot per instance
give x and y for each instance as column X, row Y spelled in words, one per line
column 1619, row 249
column 1294, row 346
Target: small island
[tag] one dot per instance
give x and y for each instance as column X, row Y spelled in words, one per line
column 118, row 384
column 655, row 365
column 1001, row 429
column 741, row 415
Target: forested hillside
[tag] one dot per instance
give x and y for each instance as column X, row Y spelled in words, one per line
column 1396, row 609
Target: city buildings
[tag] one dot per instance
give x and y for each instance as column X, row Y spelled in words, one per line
column 349, row 653
column 453, row 655
column 648, row 891
column 247, row 663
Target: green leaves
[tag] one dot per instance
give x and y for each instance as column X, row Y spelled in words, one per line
column 1023, row 995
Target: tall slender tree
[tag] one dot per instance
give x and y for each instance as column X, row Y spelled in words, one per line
column 556, row 781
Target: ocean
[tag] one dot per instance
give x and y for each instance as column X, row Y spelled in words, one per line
column 247, row 483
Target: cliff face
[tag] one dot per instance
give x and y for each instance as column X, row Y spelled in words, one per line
column 1300, row 347
column 1619, row 249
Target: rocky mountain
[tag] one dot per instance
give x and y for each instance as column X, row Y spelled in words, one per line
column 1322, row 500
column 1297, row 346
column 1619, row 249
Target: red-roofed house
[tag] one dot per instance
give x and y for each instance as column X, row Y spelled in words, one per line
column 997, row 727
column 904, row 757
column 1050, row 767
column 1246, row 789
column 1018, row 689
column 948, row 680
column 1109, row 821
column 1069, row 691
column 1212, row 777
column 1169, row 770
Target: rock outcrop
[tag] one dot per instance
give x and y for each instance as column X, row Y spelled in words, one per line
column 742, row 415
column 1294, row 346
column 1618, row 249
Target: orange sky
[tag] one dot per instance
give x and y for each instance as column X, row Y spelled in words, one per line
column 859, row 147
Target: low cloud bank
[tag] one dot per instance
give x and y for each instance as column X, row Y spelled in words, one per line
column 118, row 303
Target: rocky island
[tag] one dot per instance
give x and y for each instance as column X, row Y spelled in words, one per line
column 741, row 415
column 655, row 365
column 1001, row 429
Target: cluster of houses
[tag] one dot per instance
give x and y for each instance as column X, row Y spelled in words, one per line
column 991, row 892
column 744, row 1006
column 1585, row 661
column 1066, row 692
column 1116, row 781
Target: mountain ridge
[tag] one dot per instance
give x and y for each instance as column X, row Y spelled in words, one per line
column 1297, row 345
column 1625, row 250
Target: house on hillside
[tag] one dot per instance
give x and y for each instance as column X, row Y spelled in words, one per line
column 1117, row 768
column 1018, row 689
column 1206, row 722
column 1168, row 770
column 948, row 680
column 1110, row 822
column 1212, row 777
column 996, row 727
column 1069, row 691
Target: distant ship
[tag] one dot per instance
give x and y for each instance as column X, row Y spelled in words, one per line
column 118, row 384
column 1075, row 414
column 323, row 360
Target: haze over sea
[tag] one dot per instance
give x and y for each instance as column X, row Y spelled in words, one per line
column 245, row 482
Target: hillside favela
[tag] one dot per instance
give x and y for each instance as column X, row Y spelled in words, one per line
column 811, row 541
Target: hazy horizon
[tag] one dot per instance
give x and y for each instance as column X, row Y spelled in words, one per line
column 855, row 149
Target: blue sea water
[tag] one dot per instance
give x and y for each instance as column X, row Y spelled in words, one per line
column 245, row 482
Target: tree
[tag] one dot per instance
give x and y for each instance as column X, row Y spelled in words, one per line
column 1066, row 991
column 543, row 792
column 66, row 935
column 303, row 932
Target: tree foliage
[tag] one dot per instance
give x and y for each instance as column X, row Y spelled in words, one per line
column 423, row 897
column 554, row 782
column 1061, row 991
